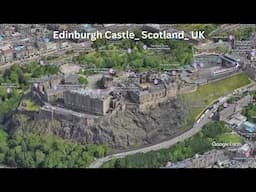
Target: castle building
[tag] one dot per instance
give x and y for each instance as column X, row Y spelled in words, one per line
column 52, row 88
column 6, row 53
column 251, row 70
column 52, row 95
column 151, row 89
column 87, row 101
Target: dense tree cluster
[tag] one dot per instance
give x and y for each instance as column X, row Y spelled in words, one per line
column 43, row 151
column 82, row 80
column 199, row 143
column 9, row 101
column 138, row 58
column 3, row 145
column 35, row 70
column 250, row 112
column 20, row 75
column 18, row 78
column 243, row 33
column 14, row 75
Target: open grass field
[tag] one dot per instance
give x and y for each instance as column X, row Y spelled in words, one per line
column 229, row 138
column 206, row 94
column 30, row 105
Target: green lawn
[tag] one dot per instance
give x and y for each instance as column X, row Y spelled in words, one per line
column 229, row 138
column 30, row 105
column 206, row 94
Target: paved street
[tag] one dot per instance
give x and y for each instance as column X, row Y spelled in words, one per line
column 166, row 144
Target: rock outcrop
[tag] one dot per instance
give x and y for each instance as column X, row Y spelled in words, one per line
column 123, row 130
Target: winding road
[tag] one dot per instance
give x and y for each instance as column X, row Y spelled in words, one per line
column 166, row 144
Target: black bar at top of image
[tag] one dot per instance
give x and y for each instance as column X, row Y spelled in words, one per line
column 129, row 12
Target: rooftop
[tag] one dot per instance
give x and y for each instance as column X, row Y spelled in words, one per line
column 55, row 90
column 234, row 121
column 245, row 147
column 240, row 117
column 248, row 126
column 72, row 78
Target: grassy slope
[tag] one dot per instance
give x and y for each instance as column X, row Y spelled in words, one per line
column 206, row 94
column 229, row 137
column 30, row 105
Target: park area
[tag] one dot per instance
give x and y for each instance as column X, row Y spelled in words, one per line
column 206, row 94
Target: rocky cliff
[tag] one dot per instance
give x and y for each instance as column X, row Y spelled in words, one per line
column 122, row 130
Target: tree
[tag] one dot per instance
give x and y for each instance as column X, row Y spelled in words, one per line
column 40, row 157
column 3, row 145
column 99, row 152
column 82, row 80
column 117, row 163
column 212, row 129
column 250, row 112
column 33, row 150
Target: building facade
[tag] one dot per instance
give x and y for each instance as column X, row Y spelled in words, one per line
column 86, row 101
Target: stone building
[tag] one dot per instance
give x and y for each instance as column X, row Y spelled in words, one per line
column 210, row 67
column 87, row 101
column 244, row 102
column 71, row 79
column 208, row 59
column 251, row 70
column 206, row 160
column 31, row 51
column 51, row 46
column 19, row 52
column 55, row 94
column 52, row 88
column 151, row 94
column 49, row 88
column 226, row 112
column 6, row 53
column 151, row 90
column 243, row 47
column 49, row 82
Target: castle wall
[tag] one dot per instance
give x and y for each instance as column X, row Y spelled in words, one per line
column 55, row 115
column 53, row 98
column 188, row 89
column 85, row 103
column 251, row 71
column 208, row 59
